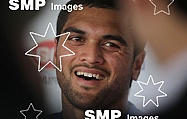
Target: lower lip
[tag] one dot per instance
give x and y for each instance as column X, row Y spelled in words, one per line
column 88, row 83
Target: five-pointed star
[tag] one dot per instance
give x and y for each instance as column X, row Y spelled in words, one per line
column 153, row 86
column 28, row 109
column 36, row 45
column 157, row 12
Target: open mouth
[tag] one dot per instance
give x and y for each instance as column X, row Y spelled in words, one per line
column 88, row 76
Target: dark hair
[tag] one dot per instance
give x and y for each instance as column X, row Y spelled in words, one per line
column 63, row 15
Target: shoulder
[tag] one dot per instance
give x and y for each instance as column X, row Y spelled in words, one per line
column 55, row 116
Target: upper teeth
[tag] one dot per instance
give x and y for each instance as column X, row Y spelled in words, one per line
column 97, row 76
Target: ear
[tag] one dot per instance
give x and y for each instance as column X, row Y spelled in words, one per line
column 137, row 65
column 55, row 51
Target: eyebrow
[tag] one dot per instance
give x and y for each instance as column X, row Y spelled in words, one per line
column 72, row 29
column 116, row 38
column 108, row 37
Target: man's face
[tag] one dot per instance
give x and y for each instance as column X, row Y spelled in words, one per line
column 99, row 73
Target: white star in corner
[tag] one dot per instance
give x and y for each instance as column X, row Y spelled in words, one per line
column 39, row 111
column 153, row 84
column 157, row 12
column 36, row 45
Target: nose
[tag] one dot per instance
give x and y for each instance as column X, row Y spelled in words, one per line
column 91, row 54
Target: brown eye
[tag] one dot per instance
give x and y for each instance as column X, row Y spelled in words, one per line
column 76, row 40
column 111, row 46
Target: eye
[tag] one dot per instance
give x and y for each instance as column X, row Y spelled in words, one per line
column 111, row 46
column 76, row 40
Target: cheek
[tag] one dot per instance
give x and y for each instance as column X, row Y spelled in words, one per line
column 65, row 61
column 118, row 63
column 64, row 75
column 121, row 68
column 63, row 53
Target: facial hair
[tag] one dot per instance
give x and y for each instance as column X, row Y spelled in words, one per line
column 107, row 96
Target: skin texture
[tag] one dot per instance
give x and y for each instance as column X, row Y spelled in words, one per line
column 99, row 53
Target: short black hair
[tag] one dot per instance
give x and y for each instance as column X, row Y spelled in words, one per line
column 63, row 15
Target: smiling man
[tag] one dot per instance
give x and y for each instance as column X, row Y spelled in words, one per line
column 107, row 59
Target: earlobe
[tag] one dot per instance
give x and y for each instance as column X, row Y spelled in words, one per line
column 55, row 51
column 138, row 65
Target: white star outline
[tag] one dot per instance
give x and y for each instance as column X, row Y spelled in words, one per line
column 150, row 100
column 36, row 45
column 168, row 11
column 40, row 111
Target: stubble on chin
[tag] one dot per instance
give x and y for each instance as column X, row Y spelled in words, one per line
column 101, row 100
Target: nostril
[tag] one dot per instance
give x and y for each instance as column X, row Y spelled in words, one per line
column 92, row 58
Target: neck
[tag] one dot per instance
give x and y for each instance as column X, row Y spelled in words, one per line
column 71, row 112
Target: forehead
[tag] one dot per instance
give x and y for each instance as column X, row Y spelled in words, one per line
column 95, row 18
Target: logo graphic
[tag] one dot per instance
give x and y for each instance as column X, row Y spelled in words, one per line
column 150, row 86
column 48, row 61
column 159, row 3
column 31, row 110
